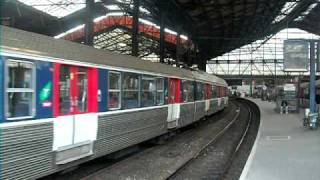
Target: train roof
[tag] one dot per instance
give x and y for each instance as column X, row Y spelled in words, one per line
column 207, row 77
column 45, row 46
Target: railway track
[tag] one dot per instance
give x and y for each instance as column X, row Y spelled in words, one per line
column 179, row 156
column 215, row 159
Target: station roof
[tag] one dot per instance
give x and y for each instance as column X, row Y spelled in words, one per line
column 215, row 26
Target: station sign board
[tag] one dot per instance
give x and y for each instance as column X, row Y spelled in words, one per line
column 289, row 87
column 296, row 55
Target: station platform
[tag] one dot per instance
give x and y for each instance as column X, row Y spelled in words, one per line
column 283, row 149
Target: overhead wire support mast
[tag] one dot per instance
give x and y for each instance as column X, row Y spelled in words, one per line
column 162, row 35
column 135, row 28
column 89, row 23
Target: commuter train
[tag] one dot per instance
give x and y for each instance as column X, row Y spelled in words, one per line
column 304, row 95
column 64, row 103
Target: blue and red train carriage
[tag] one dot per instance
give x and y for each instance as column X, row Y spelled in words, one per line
column 64, row 103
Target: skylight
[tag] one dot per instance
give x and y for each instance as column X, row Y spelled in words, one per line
column 306, row 12
column 57, row 8
column 287, row 9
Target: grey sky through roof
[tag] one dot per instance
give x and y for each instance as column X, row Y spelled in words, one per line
column 58, row 8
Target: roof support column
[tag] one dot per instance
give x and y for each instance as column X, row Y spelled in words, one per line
column 202, row 62
column 88, row 32
column 162, row 36
column 318, row 56
column 313, row 110
column 135, row 29
column 178, row 46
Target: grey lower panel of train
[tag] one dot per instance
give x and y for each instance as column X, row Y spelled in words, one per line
column 26, row 151
column 119, row 131
column 213, row 107
column 186, row 114
column 199, row 110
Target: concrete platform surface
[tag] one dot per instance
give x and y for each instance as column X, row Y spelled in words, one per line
column 284, row 149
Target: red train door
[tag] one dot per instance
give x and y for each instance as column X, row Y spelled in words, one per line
column 75, row 90
column 173, row 101
column 75, row 101
column 172, row 91
column 207, row 96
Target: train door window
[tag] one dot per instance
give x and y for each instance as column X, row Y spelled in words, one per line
column 114, row 96
column 20, row 90
column 160, row 91
column 130, row 86
column 64, row 90
column 82, row 90
column 148, row 95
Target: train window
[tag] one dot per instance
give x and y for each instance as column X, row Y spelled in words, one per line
column 214, row 91
column 184, row 90
column 188, row 91
column 20, row 89
column 148, row 95
column 114, row 90
column 200, row 91
column 130, row 86
column 160, row 91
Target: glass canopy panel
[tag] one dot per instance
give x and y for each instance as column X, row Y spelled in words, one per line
column 269, row 50
column 287, row 9
column 57, row 8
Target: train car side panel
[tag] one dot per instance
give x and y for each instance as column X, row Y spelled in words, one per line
column 1, row 90
column 26, row 150
column 200, row 101
column 186, row 114
column 44, row 90
column 25, row 142
column 102, row 92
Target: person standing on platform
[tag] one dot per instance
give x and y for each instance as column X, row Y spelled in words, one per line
column 284, row 106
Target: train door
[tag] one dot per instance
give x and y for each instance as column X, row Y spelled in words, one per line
column 226, row 96
column 75, row 125
column 173, row 103
column 219, row 96
column 207, row 96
